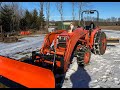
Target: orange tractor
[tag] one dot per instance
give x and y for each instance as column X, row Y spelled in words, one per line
column 47, row 68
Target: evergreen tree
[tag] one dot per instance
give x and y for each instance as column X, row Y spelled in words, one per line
column 23, row 24
column 7, row 18
column 28, row 18
column 34, row 19
column 42, row 20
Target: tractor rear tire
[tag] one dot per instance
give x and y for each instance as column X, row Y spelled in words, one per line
column 83, row 56
column 100, row 43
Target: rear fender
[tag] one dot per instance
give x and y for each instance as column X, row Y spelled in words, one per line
column 92, row 36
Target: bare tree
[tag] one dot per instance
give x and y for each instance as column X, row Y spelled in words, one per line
column 60, row 9
column 81, row 6
column 108, row 20
column 41, row 5
column 17, row 14
column 47, row 13
column 113, row 19
column 41, row 13
column 73, row 14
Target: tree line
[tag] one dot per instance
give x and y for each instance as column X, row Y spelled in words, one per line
column 111, row 19
column 32, row 20
column 14, row 19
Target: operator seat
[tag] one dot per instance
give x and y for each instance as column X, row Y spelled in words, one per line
column 90, row 27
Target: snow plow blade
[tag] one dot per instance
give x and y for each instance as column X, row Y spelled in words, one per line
column 112, row 41
column 25, row 74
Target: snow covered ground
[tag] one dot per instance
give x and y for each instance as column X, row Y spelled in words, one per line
column 102, row 72
column 22, row 48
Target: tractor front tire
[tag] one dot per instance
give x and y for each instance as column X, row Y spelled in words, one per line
column 83, row 56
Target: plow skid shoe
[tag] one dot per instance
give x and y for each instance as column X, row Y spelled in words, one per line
column 26, row 74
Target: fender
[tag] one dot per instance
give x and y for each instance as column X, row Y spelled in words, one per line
column 74, row 37
column 92, row 36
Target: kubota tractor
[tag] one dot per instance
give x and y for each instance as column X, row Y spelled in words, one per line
column 47, row 68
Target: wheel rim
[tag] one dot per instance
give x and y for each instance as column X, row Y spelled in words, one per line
column 86, row 57
column 104, row 43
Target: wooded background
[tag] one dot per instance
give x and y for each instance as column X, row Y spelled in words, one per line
column 13, row 18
